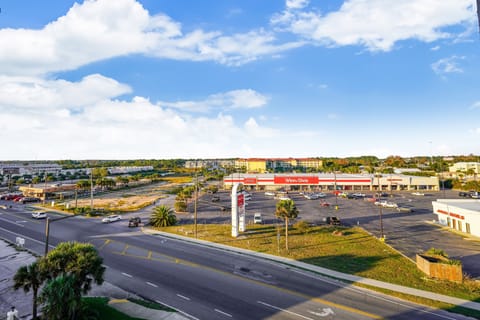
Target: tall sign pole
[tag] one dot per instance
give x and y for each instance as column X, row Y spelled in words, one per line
column 238, row 207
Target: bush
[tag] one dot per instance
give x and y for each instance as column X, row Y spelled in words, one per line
column 180, row 206
column 302, row 226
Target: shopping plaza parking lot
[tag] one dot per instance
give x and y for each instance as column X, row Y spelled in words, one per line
column 409, row 233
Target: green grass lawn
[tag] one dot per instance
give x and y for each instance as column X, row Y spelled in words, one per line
column 105, row 312
column 354, row 252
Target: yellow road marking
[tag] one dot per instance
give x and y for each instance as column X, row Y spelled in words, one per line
column 105, row 244
column 172, row 259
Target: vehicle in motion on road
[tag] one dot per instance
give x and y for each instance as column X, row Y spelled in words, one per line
column 257, row 218
column 111, row 218
column 134, row 222
column 39, row 215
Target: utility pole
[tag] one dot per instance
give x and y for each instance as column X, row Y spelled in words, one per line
column 195, row 202
column 382, row 236
column 91, row 190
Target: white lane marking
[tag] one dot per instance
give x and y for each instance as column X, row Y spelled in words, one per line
column 23, row 236
column 222, row 312
column 127, row 275
column 183, row 297
column 366, row 293
column 325, row 312
column 284, row 310
column 180, row 311
column 10, row 221
column 152, row 284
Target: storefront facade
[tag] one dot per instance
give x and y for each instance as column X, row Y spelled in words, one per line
column 330, row 181
column 459, row 214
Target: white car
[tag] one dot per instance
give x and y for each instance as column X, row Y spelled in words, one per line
column 284, row 198
column 39, row 215
column 257, row 218
column 320, row 195
column 269, row 193
column 111, row 218
column 418, row 193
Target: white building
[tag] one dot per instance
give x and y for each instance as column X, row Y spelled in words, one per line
column 459, row 214
column 465, row 166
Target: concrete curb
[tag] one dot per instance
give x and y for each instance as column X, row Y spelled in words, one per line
column 327, row 272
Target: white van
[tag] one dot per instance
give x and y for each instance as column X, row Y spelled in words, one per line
column 257, row 218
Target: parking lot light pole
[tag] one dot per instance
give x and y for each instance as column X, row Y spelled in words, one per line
column 382, row 238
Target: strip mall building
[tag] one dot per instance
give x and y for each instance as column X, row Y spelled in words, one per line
column 330, row 181
column 459, row 214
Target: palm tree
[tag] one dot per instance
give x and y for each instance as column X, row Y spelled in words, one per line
column 30, row 277
column 60, row 299
column 286, row 210
column 163, row 216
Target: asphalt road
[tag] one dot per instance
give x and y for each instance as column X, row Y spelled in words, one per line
column 208, row 283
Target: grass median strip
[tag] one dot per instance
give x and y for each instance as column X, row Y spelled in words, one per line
column 348, row 250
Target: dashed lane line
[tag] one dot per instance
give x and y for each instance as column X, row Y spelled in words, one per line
column 183, row 297
column 223, row 312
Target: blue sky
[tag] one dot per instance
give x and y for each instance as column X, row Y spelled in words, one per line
column 164, row 79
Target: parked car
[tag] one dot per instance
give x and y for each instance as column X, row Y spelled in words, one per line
column 134, row 222
column 270, row 193
column 29, row 199
column 39, row 215
column 418, row 193
column 404, row 209
column 334, row 221
column 323, row 203
column 359, row 195
column 111, row 218
column 215, row 199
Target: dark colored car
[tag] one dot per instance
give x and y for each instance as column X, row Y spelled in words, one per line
column 215, row 198
column 134, row 222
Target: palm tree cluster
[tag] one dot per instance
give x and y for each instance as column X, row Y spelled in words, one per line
column 64, row 274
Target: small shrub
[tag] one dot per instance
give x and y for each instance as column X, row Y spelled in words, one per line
column 302, row 226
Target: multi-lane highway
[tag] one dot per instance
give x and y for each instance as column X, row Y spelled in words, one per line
column 205, row 282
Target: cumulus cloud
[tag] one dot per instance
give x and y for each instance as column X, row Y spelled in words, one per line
column 296, row 4
column 377, row 24
column 448, row 65
column 475, row 105
column 102, row 29
column 235, row 99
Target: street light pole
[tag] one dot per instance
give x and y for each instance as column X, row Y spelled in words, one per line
column 381, row 211
column 195, row 202
column 91, row 190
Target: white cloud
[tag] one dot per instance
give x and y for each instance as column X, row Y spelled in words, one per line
column 235, row 99
column 447, row 65
column 35, row 93
column 436, row 48
column 296, row 4
column 103, row 29
column 377, row 24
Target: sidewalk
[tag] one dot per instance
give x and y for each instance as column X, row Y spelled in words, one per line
column 11, row 260
column 330, row 273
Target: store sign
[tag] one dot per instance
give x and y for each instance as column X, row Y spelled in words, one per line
column 295, row 180
column 250, row 181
